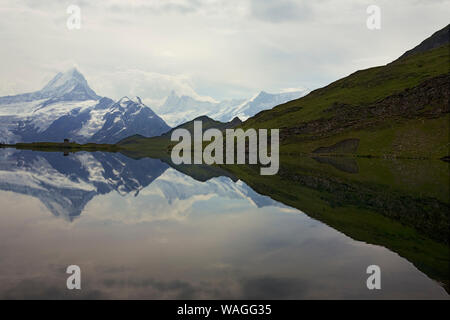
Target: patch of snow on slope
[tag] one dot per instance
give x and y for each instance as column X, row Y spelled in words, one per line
column 42, row 118
column 20, row 109
column 94, row 124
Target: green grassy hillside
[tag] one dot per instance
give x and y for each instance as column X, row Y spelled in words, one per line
column 400, row 109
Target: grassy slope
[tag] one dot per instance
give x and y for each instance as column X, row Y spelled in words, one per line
column 416, row 138
column 400, row 137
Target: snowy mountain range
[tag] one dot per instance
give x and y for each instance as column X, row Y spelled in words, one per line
column 179, row 109
column 65, row 184
column 68, row 108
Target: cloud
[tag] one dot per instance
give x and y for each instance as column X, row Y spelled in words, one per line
column 218, row 48
column 155, row 7
column 286, row 90
column 152, row 86
column 280, row 10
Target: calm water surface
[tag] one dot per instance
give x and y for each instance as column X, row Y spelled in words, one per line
column 142, row 229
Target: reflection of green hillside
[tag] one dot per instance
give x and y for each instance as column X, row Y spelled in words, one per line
column 401, row 205
column 200, row 172
column 63, row 147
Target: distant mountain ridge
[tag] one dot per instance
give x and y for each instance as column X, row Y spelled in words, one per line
column 180, row 109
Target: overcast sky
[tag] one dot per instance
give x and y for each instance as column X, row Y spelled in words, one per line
column 217, row 48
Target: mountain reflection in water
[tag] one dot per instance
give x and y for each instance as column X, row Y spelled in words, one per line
column 139, row 228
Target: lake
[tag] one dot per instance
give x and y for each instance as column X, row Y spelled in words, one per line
column 146, row 229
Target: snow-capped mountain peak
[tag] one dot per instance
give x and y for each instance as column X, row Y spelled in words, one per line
column 67, row 86
column 263, row 101
column 62, row 78
column 70, row 85
column 127, row 117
